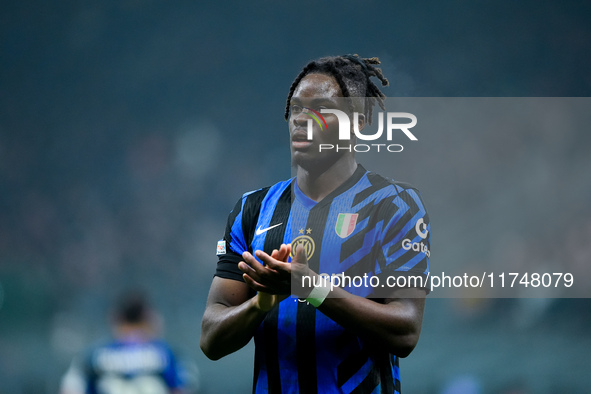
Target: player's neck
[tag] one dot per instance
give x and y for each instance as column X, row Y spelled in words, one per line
column 317, row 185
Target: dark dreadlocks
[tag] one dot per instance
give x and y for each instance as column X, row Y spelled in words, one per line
column 352, row 73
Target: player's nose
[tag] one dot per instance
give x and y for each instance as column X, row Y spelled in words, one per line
column 300, row 120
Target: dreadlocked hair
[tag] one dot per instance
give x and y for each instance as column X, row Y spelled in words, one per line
column 353, row 74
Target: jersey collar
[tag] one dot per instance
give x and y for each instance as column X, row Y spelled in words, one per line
column 349, row 183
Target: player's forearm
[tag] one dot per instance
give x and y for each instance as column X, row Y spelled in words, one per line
column 226, row 329
column 395, row 326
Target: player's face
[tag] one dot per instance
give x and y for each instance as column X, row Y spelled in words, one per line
column 313, row 93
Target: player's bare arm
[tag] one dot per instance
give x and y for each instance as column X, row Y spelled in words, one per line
column 230, row 318
column 232, row 314
column 394, row 324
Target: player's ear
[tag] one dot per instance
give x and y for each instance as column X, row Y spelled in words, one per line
column 360, row 121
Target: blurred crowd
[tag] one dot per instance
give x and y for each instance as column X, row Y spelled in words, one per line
column 128, row 130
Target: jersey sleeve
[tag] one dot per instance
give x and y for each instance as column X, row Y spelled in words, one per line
column 238, row 236
column 232, row 245
column 406, row 236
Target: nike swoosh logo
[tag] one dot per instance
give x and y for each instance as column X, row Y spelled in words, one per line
column 262, row 230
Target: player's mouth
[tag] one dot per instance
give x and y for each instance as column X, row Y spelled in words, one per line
column 299, row 140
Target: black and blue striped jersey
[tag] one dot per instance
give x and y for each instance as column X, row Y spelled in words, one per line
column 369, row 225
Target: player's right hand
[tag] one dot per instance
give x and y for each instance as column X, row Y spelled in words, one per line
column 266, row 301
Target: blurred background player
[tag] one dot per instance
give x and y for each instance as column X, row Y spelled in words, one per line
column 134, row 362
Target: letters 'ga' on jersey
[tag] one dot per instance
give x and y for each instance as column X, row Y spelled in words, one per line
column 130, row 366
column 367, row 225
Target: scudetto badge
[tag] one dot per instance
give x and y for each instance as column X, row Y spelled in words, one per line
column 345, row 224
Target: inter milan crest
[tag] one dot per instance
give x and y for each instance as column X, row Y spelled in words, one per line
column 307, row 242
column 346, row 224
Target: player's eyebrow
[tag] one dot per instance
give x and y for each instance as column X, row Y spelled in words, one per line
column 314, row 101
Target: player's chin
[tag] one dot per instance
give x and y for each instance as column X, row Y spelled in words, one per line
column 302, row 156
column 312, row 156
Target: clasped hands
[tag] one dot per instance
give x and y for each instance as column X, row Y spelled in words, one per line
column 276, row 277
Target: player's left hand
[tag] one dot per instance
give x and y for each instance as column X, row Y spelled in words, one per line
column 299, row 270
column 274, row 276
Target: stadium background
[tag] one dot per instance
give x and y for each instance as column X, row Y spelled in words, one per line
column 128, row 129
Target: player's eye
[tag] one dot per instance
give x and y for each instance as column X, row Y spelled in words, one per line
column 296, row 109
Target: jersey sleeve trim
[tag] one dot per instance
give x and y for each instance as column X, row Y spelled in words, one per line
column 227, row 267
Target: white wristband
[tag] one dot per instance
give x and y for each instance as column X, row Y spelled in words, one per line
column 318, row 295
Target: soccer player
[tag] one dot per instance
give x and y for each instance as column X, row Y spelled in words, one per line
column 333, row 217
column 135, row 362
